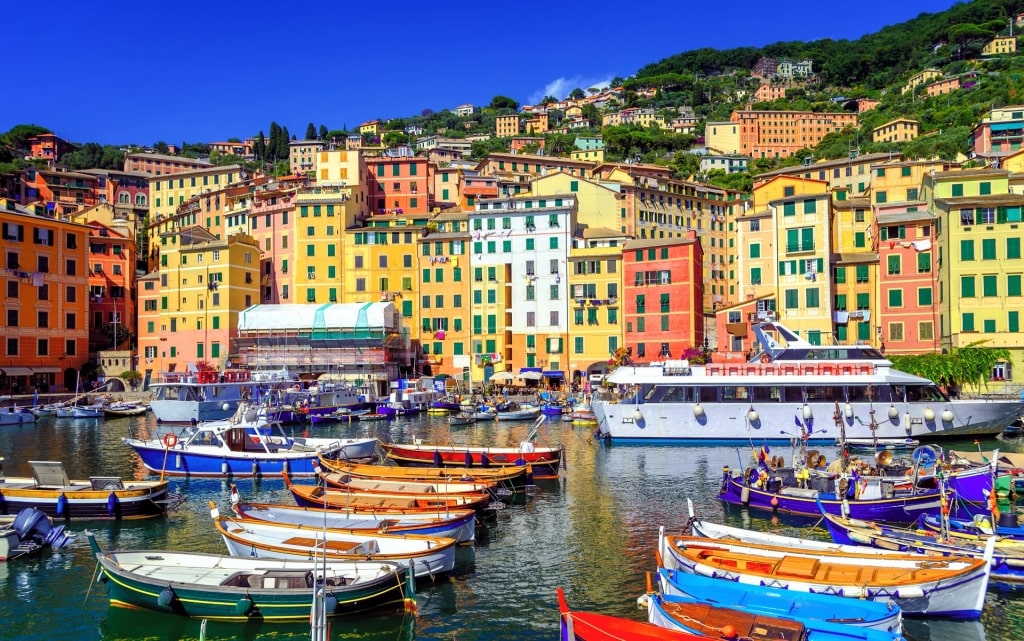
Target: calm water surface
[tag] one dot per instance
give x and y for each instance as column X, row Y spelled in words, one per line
column 593, row 531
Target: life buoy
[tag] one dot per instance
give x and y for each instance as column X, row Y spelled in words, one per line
column 170, row 440
column 766, row 358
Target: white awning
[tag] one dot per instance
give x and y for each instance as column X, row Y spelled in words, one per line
column 46, row 370
column 17, row 371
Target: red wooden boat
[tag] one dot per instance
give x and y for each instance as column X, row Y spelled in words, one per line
column 545, row 461
column 589, row 626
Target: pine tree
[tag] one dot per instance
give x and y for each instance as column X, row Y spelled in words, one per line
column 274, row 144
column 261, row 146
column 282, row 144
column 310, row 132
column 323, row 132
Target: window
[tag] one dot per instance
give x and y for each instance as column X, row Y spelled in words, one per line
column 755, row 250
column 863, row 301
column 895, row 298
column 967, row 321
column 862, row 273
column 859, row 239
column 755, row 275
column 893, row 264
column 924, row 262
column 988, row 249
column 792, row 298
column 988, row 285
column 967, row 286
column 957, row 190
column 896, row 331
column 966, row 250
column 811, row 297
column 1013, row 285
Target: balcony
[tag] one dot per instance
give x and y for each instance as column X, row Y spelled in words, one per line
column 793, row 248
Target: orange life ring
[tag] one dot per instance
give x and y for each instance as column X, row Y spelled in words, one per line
column 170, row 440
column 766, row 358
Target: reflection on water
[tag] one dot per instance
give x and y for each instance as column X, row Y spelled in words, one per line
column 593, row 531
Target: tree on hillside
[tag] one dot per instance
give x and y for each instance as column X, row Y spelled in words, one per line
column 310, row 132
column 577, row 94
column 17, row 136
column 503, row 102
column 547, row 99
column 323, row 132
column 260, row 148
column 282, row 144
column 395, row 138
column 161, row 147
column 92, row 155
column 274, row 142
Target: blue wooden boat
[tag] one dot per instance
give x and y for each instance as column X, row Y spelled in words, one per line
column 1006, row 559
column 869, row 498
column 771, row 601
column 698, row 616
column 1007, row 526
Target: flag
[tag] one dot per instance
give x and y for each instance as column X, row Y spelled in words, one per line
column 796, row 421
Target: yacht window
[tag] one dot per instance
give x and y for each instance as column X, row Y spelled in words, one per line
column 766, row 393
column 734, row 393
column 708, row 394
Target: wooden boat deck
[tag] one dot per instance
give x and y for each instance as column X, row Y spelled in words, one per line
column 815, row 571
column 709, row 620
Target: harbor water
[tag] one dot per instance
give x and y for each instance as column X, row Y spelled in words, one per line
column 593, row 531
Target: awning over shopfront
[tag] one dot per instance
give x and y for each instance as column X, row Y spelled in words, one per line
column 46, row 370
column 554, row 374
column 17, row 371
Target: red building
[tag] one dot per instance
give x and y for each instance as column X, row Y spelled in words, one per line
column 111, row 282
column 908, row 280
column 49, row 147
column 399, row 185
column 663, row 297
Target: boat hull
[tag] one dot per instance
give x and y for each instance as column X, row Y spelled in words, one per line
column 727, row 423
column 81, row 502
column 283, row 590
column 545, row 461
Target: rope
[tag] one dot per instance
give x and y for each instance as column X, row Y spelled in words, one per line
column 89, row 591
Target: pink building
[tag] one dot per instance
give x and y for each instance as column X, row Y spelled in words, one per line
column 908, row 279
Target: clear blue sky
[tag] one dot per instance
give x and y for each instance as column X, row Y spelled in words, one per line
column 137, row 72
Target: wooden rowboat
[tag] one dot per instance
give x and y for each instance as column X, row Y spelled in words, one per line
column 920, row 584
column 318, row 496
column 212, row 586
column 545, row 461
column 394, row 486
column 507, row 476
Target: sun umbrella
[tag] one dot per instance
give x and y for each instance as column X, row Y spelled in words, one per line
column 501, row 376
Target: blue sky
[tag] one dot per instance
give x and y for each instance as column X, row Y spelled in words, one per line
column 138, row 72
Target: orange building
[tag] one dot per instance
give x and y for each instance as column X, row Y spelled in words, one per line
column 61, row 192
column 942, row 87
column 111, row 285
column 45, row 299
column 399, row 185
column 663, row 296
column 780, row 134
column 505, row 126
column 908, row 279
column 49, row 147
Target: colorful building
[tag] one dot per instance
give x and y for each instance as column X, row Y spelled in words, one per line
column 156, row 164
column 49, row 147
column 663, row 291
column 1001, row 132
column 302, row 156
column 898, row 130
column 595, row 287
column 398, row 186
column 921, row 78
column 442, row 294
column 780, row 134
column 191, row 310
column 1000, row 46
column 111, row 287
column 61, row 192
column 908, row 279
column 45, row 298
column 723, row 137
column 507, row 125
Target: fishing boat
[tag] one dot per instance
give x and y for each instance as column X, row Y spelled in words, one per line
column 98, row 497
column 124, row 409
column 517, row 412
column 591, row 626
column 706, row 617
column 429, row 556
column 485, row 413
column 443, row 487
column 373, row 416
column 980, row 527
column 30, row 531
column 340, row 415
column 771, row 601
column 242, row 588
column 461, row 419
column 881, row 444
column 545, row 461
column 798, row 490
column 453, row 524
column 925, row 585
column 678, row 402
column 319, row 496
column 245, row 445
column 512, row 477
column 14, row 415
column 1007, row 558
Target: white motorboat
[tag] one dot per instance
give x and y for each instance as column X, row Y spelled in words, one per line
column 827, row 391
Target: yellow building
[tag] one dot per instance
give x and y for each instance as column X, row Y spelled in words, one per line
column 339, row 167
column 167, row 193
column 506, row 126
column 302, row 156
column 1002, row 45
column 537, row 124
column 921, row 78
column 373, row 128
column 588, row 155
column 757, row 255
column 851, row 174
column 898, row 130
column 447, row 183
column 723, row 137
column 854, row 272
column 595, row 287
column 596, row 203
column 322, row 215
column 801, row 216
column 189, row 310
column 442, row 292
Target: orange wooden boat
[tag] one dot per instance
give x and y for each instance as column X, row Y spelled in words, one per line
column 507, row 476
column 318, row 496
